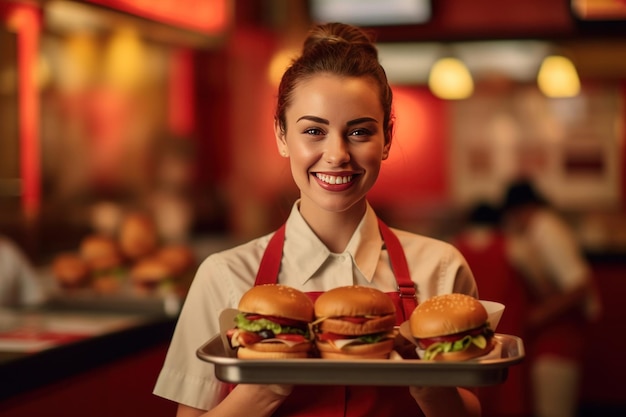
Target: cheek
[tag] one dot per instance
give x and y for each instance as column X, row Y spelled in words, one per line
column 372, row 157
column 302, row 155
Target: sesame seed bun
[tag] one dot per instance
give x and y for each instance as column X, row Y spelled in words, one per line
column 277, row 300
column 451, row 317
column 446, row 314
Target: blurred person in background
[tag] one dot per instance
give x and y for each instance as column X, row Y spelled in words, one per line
column 483, row 243
column 20, row 286
column 562, row 297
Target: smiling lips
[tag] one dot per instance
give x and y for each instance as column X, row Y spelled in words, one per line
column 334, row 182
column 334, row 179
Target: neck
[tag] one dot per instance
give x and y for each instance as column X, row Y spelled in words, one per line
column 334, row 229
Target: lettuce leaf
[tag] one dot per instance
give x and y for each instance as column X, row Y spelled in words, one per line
column 257, row 325
column 456, row 346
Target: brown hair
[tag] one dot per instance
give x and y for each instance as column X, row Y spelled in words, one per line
column 339, row 49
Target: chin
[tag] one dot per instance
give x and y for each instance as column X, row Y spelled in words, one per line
column 336, row 203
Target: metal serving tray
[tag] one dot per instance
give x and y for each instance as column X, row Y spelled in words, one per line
column 315, row 371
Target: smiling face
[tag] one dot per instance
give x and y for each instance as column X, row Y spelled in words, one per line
column 335, row 139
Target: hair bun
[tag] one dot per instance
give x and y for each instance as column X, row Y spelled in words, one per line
column 337, row 34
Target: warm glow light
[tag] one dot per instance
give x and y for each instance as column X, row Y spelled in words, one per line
column 125, row 58
column 558, row 78
column 208, row 16
column 450, row 79
column 24, row 19
column 279, row 63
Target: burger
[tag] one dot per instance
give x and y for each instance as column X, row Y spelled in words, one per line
column 151, row 275
column 451, row 327
column 179, row 257
column 101, row 253
column 138, row 236
column 70, row 270
column 273, row 323
column 354, row 322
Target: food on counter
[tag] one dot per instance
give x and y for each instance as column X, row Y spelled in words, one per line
column 151, row 275
column 138, row 236
column 180, row 258
column 132, row 261
column 354, row 322
column 108, row 283
column 70, row 270
column 451, row 327
column 273, row 323
column 101, row 252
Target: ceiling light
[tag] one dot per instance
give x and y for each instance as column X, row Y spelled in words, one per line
column 557, row 77
column 450, row 79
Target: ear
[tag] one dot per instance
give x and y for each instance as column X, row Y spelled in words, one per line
column 388, row 136
column 386, row 150
column 281, row 143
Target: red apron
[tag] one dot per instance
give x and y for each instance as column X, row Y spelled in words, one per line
column 349, row 401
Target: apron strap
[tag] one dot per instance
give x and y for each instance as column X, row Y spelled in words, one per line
column 270, row 263
column 400, row 267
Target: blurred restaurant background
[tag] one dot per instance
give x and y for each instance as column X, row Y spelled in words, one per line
column 110, row 108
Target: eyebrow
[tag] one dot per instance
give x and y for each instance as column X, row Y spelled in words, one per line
column 326, row 122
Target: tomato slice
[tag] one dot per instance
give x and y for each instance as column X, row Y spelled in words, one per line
column 248, row 338
column 291, row 337
column 332, row 336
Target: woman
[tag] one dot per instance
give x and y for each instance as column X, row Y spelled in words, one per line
column 334, row 122
column 562, row 297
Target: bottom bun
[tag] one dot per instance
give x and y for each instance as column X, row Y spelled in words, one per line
column 380, row 350
column 274, row 351
column 471, row 352
column 246, row 353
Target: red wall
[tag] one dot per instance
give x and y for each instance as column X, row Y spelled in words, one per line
column 417, row 168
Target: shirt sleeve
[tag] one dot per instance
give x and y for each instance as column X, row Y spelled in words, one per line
column 436, row 267
column 184, row 378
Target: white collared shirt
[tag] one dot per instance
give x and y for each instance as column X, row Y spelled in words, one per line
column 435, row 266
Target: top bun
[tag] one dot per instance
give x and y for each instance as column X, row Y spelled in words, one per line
column 138, row 235
column 179, row 257
column 353, row 300
column 277, row 300
column 447, row 314
column 150, row 270
column 101, row 252
column 70, row 269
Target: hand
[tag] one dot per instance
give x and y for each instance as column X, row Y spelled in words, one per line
column 280, row 389
column 446, row 401
column 422, row 393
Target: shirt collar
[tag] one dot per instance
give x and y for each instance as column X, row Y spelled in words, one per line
column 303, row 249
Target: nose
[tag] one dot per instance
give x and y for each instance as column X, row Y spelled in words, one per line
column 336, row 151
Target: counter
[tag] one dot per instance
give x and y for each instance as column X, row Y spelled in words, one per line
column 58, row 362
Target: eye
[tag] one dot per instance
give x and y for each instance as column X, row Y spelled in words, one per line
column 361, row 133
column 313, row 131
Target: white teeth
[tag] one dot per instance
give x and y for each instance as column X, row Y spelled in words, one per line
column 332, row 179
